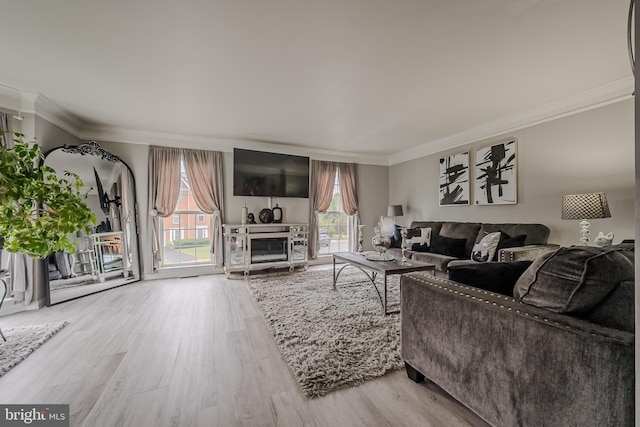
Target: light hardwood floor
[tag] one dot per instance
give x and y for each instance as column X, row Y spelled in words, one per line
column 195, row 352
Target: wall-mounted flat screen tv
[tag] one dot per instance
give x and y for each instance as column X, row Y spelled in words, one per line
column 259, row 173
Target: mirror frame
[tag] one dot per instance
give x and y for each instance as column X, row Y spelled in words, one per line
column 92, row 148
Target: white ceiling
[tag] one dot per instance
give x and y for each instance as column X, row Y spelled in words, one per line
column 368, row 78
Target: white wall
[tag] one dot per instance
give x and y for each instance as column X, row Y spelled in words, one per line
column 586, row 152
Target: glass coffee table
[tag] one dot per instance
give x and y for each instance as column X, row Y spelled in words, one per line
column 372, row 268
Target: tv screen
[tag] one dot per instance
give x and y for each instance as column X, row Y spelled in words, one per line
column 258, row 173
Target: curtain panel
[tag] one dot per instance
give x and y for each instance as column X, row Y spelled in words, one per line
column 205, row 175
column 348, row 189
column 164, row 189
column 323, row 175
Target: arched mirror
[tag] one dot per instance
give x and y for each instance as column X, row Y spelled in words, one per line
column 109, row 255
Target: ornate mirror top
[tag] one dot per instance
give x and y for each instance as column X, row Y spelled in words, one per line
column 92, row 148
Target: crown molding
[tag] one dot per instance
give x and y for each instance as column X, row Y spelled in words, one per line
column 10, row 98
column 39, row 105
column 46, row 109
column 620, row 90
column 221, row 143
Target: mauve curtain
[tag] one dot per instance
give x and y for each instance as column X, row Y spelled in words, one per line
column 347, row 179
column 205, row 175
column 164, row 189
column 323, row 175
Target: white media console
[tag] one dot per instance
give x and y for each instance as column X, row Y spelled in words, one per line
column 259, row 246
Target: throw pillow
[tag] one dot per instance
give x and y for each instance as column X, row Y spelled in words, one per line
column 507, row 241
column 422, row 236
column 497, row 277
column 396, row 238
column 417, row 247
column 448, row 246
column 574, row 279
column 486, row 248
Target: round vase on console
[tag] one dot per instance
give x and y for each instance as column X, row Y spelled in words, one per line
column 266, row 216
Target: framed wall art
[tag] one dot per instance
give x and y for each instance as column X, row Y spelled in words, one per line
column 454, row 180
column 496, row 172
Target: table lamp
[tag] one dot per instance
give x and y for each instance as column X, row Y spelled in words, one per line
column 583, row 207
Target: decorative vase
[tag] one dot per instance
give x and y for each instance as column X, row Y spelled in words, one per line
column 277, row 214
column 244, row 214
column 266, row 216
column 381, row 244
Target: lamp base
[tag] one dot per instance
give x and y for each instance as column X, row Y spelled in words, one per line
column 584, row 232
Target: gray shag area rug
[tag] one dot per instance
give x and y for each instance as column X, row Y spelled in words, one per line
column 22, row 341
column 331, row 339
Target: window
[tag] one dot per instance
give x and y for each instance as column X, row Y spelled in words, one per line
column 202, row 232
column 186, row 234
column 333, row 225
column 175, row 234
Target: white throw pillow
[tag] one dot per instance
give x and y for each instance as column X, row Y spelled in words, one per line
column 485, row 249
column 424, row 239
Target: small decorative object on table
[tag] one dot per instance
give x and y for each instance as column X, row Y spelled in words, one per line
column 381, row 244
column 360, row 238
column 251, row 219
column 603, row 239
column 403, row 247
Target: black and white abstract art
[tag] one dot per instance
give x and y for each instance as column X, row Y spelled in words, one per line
column 496, row 174
column 454, row 179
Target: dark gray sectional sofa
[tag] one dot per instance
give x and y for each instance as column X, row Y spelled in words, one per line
column 535, row 242
column 559, row 353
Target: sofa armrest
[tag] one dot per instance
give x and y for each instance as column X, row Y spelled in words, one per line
column 521, row 253
column 538, row 365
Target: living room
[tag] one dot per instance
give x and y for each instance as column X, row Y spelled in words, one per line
column 580, row 141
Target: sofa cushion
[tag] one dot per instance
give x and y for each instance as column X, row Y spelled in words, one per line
column 462, row 230
column 440, row 261
column 536, row 234
column 448, row 246
column 486, row 249
column 433, row 225
column 574, row 279
column 617, row 310
column 497, row 277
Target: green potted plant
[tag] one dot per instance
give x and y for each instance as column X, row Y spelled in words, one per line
column 39, row 211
